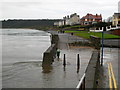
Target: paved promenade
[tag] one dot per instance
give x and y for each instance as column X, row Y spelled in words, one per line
column 71, row 58
column 108, row 72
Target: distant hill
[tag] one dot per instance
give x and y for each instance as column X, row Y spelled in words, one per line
column 33, row 23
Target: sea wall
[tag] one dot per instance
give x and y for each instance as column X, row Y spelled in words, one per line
column 92, row 71
column 50, row 53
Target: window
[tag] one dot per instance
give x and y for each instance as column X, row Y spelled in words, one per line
column 118, row 22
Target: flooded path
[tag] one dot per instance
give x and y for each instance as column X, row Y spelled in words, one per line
column 22, row 61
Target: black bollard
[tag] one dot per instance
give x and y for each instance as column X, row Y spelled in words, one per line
column 78, row 62
column 64, row 61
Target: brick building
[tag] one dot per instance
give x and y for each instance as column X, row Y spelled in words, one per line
column 91, row 19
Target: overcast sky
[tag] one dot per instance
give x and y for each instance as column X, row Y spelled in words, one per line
column 55, row 9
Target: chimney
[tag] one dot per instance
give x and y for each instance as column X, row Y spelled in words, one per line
column 75, row 13
column 67, row 16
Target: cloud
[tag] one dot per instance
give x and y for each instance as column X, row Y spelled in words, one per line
column 56, row 8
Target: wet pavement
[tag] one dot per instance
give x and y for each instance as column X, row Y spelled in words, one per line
column 71, row 55
column 112, row 42
column 68, row 38
column 68, row 77
column 22, row 66
column 110, row 58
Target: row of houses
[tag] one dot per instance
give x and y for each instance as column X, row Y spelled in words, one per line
column 88, row 19
column 75, row 19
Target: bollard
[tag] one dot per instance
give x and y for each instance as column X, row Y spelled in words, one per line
column 64, row 61
column 78, row 61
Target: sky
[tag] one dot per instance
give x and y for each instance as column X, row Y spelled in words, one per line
column 55, row 9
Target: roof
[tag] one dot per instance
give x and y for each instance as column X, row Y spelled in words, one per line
column 116, row 15
column 90, row 16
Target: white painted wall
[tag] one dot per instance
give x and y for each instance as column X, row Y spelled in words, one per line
column 74, row 20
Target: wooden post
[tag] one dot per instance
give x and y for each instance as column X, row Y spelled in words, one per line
column 64, row 61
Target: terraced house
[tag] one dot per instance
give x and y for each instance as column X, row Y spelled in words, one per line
column 91, row 19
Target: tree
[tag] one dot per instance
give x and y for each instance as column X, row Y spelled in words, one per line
column 109, row 19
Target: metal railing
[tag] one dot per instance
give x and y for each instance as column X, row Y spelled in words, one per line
column 81, row 84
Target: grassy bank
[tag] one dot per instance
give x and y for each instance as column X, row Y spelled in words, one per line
column 86, row 34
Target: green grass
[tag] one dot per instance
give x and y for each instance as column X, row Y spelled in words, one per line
column 75, row 26
column 72, row 31
column 86, row 34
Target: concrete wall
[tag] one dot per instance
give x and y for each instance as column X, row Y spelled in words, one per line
column 50, row 53
column 95, row 42
column 54, row 39
column 92, row 71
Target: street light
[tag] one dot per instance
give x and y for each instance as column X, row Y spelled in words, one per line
column 104, row 29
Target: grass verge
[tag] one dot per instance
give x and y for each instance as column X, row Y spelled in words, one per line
column 86, row 34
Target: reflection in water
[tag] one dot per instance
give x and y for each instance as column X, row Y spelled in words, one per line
column 78, row 68
column 64, row 68
column 47, row 68
column 64, row 72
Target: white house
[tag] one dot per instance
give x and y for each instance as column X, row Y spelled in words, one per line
column 56, row 23
column 74, row 19
column 66, row 20
column 69, row 20
column 59, row 23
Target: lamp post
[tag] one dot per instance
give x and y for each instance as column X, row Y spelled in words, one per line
column 102, row 52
